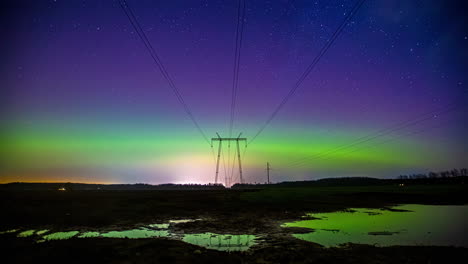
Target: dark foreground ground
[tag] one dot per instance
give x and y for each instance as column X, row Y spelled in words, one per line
column 223, row 211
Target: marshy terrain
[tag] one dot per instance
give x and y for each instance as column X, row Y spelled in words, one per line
column 414, row 222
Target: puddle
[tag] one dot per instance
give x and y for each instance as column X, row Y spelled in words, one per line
column 159, row 226
column 221, row 242
column 180, row 221
column 136, row 233
column 89, row 235
column 60, row 235
column 9, row 231
column 41, row 232
column 26, row 233
column 401, row 225
column 406, row 225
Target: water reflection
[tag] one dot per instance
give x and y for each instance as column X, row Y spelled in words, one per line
column 60, row 235
column 41, row 232
column 26, row 233
column 180, row 221
column 89, row 234
column 416, row 225
column 221, row 242
column 159, row 226
column 9, row 231
column 136, row 233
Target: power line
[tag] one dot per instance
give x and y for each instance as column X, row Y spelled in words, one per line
column 238, row 46
column 370, row 137
column 235, row 76
column 384, row 142
column 377, row 134
column 136, row 25
column 415, row 132
column 304, row 75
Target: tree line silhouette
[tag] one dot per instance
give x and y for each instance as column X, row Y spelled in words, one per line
column 442, row 174
column 454, row 176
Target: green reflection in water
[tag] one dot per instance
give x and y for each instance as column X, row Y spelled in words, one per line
column 60, row 235
column 41, row 232
column 221, row 242
column 89, row 234
column 136, row 233
column 160, row 226
column 9, row 231
column 423, row 225
column 26, row 233
column 180, row 221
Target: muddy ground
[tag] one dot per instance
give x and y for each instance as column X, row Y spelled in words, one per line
column 258, row 212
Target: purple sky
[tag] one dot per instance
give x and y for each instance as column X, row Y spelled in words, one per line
column 77, row 70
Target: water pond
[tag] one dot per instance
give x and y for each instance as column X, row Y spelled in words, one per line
column 223, row 242
column 402, row 225
column 60, row 235
column 136, row 233
column 220, row 242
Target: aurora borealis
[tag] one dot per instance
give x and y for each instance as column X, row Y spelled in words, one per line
column 81, row 100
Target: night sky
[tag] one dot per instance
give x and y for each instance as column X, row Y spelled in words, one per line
column 82, row 100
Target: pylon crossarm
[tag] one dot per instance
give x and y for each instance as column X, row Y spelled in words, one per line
column 228, row 139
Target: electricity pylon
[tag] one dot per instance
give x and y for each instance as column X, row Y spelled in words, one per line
column 268, row 172
column 220, row 145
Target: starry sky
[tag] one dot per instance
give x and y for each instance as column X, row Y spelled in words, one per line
column 81, row 99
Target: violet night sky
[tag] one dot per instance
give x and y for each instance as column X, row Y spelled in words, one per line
column 82, row 101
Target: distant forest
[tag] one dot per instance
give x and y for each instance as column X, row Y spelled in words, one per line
column 443, row 174
column 107, row 187
column 454, row 176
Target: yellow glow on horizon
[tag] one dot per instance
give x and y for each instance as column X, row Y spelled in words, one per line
column 39, row 178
